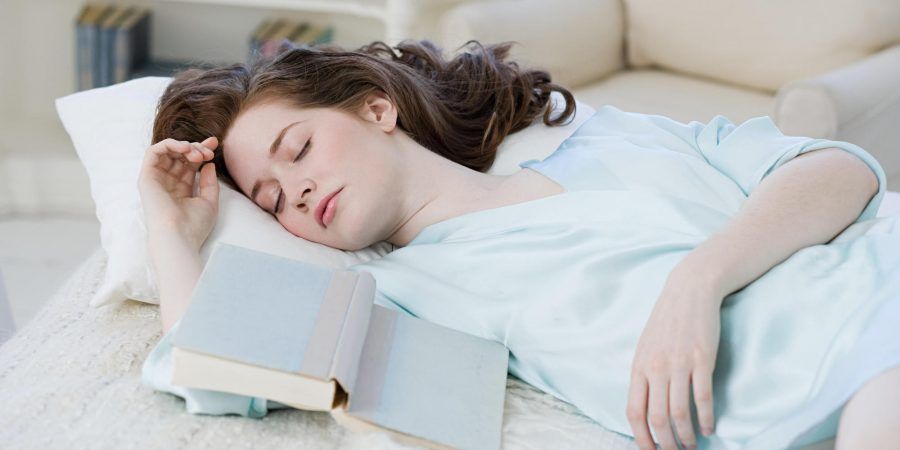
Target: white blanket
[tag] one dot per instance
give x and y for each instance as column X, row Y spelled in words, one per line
column 71, row 379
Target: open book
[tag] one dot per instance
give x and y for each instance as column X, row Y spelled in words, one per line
column 312, row 338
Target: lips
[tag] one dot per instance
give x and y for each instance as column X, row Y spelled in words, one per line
column 320, row 207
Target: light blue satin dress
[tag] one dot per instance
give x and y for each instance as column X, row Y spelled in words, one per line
column 567, row 282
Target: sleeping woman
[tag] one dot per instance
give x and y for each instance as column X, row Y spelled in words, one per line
column 703, row 285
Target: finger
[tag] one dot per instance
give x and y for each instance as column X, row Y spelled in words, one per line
column 187, row 162
column 637, row 412
column 680, row 408
column 701, row 378
column 187, row 178
column 210, row 143
column 184, row 168
column 178, row 169
column 169, row 147
column 163, row 154
column 209, row 185
column 658, row 408
column 202, row 153
column 173, row 180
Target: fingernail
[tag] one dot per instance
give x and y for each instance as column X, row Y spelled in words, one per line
column 707, row 431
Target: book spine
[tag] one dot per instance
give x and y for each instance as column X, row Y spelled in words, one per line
column 347, row 356
column 83, row 51
column 93, row 46
column 120, row 55
column 138, row 40
column 325, row 37
column 104, row 46
column 93, row 42
column 143, row 39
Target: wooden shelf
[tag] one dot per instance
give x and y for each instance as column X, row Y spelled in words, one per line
column 398, row 16
column 373, row 10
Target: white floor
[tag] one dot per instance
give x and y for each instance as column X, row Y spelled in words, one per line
column 37, row 253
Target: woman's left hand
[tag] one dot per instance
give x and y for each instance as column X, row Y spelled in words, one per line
column 677, row 349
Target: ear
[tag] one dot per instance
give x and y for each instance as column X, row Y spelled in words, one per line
column 379, row 110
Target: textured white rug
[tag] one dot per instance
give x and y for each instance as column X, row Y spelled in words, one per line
column 71, row 379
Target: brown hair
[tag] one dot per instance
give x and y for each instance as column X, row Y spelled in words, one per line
column 461, row 109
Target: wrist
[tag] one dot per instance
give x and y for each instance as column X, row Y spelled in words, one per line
column 706, row 280
column 161, row 236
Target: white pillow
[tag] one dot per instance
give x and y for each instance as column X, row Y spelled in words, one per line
column 111, row 129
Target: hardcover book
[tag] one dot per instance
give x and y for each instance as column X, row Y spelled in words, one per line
column 87, row 43
column 107, row 32
column 130, row 44
column 312, row 338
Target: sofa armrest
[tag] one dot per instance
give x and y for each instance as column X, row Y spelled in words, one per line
column 858, row 103
column 576, row 41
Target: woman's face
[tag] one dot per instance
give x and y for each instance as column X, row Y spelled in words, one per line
column 318, row 152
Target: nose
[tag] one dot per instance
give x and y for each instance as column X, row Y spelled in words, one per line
column 297, row 188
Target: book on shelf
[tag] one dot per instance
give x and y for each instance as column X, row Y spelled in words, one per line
column 87, row 43
column 268, row 37
column 312, row 338
column 106, row 34
column 111, row 40
column 131, row 44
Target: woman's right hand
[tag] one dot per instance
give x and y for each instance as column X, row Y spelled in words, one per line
column 166, row 186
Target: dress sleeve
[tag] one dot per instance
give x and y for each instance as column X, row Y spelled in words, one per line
column 749, row 152
column 157, row 374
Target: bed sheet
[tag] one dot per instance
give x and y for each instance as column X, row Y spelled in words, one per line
column 70, row 378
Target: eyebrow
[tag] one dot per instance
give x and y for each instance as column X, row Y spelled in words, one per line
column 275, row 144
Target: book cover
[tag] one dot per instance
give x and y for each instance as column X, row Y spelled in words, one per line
column 312, row 338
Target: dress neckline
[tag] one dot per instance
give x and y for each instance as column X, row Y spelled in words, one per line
column 436, row 228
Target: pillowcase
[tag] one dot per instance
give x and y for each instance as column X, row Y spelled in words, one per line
column 111, row 129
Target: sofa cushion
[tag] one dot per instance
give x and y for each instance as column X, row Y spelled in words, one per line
column 682, row 98
column 757, row 44
column 576, row 41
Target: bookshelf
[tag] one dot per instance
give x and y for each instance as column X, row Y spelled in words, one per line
column 397, row 16
column 221, row 28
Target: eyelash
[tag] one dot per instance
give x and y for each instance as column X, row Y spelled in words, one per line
column 299, row 155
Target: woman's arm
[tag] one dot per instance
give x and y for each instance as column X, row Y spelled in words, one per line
column 177, row 219
column 807, row 201
column 177, row 265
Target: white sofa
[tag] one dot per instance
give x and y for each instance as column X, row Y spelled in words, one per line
column 819, row 68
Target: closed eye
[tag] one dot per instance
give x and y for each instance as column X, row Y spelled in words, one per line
column 279, row 203
column 308, row 142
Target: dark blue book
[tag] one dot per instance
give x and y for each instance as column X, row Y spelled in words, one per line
column 87, row 44
column 312, row 338
column 130, row 40
column 106, row 36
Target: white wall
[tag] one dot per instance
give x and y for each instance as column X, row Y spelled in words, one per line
column 10, row 76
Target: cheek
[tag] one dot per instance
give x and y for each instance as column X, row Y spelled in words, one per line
column 295, row 226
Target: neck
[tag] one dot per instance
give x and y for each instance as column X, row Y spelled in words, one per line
column 434, row 189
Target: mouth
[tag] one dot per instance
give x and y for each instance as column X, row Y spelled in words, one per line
column 322, row 208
